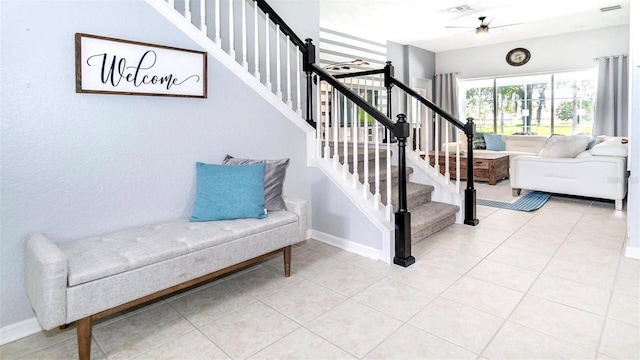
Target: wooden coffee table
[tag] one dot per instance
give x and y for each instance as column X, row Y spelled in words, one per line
column 486, row 167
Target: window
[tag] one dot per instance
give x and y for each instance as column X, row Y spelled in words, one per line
column 543, row 104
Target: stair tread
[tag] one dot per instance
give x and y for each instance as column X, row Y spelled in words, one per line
column 433, row 211
column 431, row 217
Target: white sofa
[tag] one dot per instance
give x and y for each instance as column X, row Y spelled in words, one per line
column 87, row 279
column 600, row 172
column 514, row 145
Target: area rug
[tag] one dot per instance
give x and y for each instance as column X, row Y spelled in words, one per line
column 528, row 202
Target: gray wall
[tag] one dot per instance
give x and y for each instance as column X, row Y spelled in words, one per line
column 76, row 165
column 409, row 63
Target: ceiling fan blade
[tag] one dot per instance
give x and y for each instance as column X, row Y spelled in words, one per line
column 484, row 22
column 501, row 26
column 460, row 27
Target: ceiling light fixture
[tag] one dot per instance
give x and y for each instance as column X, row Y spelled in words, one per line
column 459, row 9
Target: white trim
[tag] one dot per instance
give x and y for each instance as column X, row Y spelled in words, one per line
column 347, row 245
column 19, row 330
column 632, row 252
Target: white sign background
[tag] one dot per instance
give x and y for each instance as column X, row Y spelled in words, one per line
column 106, row 65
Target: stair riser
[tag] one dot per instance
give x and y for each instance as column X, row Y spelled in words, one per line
column 421, row 234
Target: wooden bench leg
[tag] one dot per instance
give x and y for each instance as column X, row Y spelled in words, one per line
column 83, row 327
column 287, row 261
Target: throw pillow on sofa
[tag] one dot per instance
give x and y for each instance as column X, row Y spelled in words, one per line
column 494, row 142
column 274, row 174
column 559, row 146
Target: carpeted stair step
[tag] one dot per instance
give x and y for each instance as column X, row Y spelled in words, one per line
column 431, row 217
column 417, row 194
column 427, row 217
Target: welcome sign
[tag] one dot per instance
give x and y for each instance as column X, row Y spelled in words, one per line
column 113, row 66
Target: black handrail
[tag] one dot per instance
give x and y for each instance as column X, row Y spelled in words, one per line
column 428, row 103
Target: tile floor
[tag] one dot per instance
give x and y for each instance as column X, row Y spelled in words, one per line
column 548, row 284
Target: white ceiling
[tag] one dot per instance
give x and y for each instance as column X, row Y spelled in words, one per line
column 422, row 23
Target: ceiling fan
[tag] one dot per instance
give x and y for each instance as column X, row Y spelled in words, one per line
column 484, row 26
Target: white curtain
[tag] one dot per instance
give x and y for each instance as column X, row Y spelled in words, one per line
column 612, row 99
column 446, row 97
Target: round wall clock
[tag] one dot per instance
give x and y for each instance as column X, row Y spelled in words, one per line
column 518, row 56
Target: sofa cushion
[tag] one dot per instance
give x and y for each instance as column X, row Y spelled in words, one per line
column 611, row 147
column 227, row 192
column 559, row 146
column 494, row 142
column 274, row 175
column 531, row 144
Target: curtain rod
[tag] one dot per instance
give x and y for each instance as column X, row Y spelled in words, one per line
column 609, row 57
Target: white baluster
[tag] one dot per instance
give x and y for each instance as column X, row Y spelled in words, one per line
column 172, row 3
column 335, row 107
column 187, row 10
column 416, row 126
column 203, row 17
column 326, row 122
column 345, row 142
column 232, row 50
column 267, row 53
column 245, row 64
column 256, row 49
column 447, row 172
column 366, row 187
column 427, row 127
column 289, row 72
column 436, row 141
column 355, row 140
column 389, row 206
column 278, row 68
column 298, row 74
column 218, row 40
column 319, row 121
column 457, row 161
column 376, row 168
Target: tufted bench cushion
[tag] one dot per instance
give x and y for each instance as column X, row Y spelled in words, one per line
column 103, row 256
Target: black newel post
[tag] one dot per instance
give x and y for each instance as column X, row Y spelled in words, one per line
column 388, row 74
column 309, row 58
column 470, row 191
column 403, row 256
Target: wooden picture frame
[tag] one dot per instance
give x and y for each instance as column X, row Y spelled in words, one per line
column 113, row 66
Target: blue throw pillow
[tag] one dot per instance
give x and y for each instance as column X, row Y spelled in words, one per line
column 494, row 142
column 226, row 192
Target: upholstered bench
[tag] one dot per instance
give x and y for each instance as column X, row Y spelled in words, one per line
column 87, row 279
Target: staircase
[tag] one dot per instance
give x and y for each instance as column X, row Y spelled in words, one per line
column 427, row 216
column 250, row 39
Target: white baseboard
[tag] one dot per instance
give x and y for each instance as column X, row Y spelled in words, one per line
column 19, row 330
column 375, row 254
column 632, row 252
